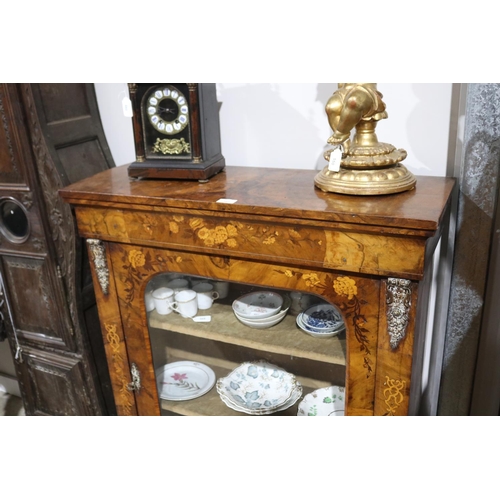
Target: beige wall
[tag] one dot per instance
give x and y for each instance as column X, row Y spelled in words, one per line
column 6, row 362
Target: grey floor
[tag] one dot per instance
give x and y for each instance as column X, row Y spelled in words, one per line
column 10, row 405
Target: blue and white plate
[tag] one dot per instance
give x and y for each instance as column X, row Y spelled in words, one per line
column 316, row 332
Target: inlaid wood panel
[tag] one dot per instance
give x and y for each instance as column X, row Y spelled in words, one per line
column 272, row 238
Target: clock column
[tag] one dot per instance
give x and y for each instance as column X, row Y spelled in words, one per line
column 136, row 117
column 195, row 123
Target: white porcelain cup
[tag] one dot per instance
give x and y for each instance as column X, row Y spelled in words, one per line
column 163, row 298
column 149, row 301
column 186, row 303
column 205, row 295
column 221, row 287
column 178, row 284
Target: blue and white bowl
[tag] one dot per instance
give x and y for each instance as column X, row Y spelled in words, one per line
column 317, row 332
column 322, row 317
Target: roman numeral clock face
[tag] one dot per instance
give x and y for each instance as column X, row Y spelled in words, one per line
column 166, row 117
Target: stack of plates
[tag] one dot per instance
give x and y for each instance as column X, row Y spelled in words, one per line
column 321, row 320
column 325, row 402
column 259, row 388
column 261, row 309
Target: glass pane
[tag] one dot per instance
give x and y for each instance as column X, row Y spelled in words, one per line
column 226, row 348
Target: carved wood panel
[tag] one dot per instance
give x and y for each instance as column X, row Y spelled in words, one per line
column 36, row 302
column 55, row 384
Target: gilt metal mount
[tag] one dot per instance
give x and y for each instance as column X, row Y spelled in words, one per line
column 98, row 253
column 398, row 309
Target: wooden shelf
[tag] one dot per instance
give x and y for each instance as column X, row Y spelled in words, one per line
column 283, row 338
column 211, row 404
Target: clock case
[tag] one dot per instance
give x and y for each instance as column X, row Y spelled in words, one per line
column 203, row 134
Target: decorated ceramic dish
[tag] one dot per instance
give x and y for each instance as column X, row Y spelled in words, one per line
column 184, row 380
column 262, row 323
column 258, row 305
column 317, row 332
column 258, row 388
column 325, row 402
column 322, row 316
column 294, row 397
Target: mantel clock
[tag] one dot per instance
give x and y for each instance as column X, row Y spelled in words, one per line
column 176, row 131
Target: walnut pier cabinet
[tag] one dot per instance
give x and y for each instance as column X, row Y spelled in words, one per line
column 255, row 228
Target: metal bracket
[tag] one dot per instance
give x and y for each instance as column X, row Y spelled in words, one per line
column 135, row 385
column 98, row 253
column 398, row 301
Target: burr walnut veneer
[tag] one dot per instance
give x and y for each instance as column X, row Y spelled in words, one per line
column 271, row 228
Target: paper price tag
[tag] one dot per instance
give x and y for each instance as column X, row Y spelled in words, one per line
column 335, row 158
column 202, row 319
column 226, row 200
column 127, row 107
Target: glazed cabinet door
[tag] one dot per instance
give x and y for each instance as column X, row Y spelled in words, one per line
column 158, row 341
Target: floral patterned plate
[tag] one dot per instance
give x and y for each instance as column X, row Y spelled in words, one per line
column 325, row 402
column 184, row 380
column 258, row 388
column 294, row 397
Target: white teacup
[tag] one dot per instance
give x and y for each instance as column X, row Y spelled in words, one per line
column 163, row 298
column 178, row 284
column 222, row 288
column 205, row 295
column 186, row 303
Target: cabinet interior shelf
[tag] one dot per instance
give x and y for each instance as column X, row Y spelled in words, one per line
column 284, row 338
column 210, row 404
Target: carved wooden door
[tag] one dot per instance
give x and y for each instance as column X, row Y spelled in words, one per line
column 50, row 136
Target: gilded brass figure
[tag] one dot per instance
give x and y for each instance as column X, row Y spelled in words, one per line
column 367, row 166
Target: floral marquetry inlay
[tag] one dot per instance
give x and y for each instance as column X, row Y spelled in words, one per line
column 346, row 287
column 351, row 306
column 393, row 394
column 114, row 343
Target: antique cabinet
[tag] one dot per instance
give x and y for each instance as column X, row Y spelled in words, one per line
column 261, row 229
column 50, row 136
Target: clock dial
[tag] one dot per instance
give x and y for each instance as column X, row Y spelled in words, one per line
column 167, row 110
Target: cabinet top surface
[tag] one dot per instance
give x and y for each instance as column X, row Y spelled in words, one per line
column 268, row 191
